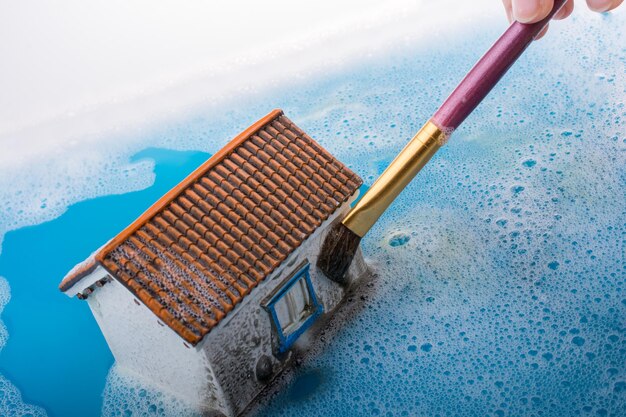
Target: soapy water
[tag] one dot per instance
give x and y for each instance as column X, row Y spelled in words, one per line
column 128, row 395
column 56, row 353
column 11, row 403
column 501, row 268
column 500, row 287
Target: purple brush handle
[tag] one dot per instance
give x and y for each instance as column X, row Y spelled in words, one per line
column 488, row 71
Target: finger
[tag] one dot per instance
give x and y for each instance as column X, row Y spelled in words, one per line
column 565, row 11
column 543, row 32
column 531, row 11
column 603, row 5
column 508, row 7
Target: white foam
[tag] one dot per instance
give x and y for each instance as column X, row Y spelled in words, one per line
column 11, row 403
column 53, row 183
column 127, row 395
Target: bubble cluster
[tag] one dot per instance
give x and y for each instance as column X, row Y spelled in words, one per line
column 127, row 395
column 54, row 184
column 12, row 405
column 399, row 239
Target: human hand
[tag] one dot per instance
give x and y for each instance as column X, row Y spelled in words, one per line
column 531, row 11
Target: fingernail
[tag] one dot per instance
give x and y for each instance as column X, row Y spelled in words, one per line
column 526, row 11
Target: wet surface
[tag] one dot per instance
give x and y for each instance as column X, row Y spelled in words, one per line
column 501, row 283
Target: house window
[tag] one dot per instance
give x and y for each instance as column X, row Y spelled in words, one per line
column 294, row 308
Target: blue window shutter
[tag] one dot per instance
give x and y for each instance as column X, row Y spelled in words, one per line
column 313, row 309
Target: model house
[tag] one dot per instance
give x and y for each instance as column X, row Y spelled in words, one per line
column 208, row 292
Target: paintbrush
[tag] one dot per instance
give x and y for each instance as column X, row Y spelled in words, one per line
column 342, row 240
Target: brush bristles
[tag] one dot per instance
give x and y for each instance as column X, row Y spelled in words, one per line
column 337, row 253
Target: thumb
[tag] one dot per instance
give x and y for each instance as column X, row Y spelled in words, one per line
column 531, row 11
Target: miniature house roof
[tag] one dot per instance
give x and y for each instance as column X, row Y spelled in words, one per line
column 200, row 249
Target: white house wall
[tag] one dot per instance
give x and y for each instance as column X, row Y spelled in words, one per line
column 87, row 281
column 235, row 345
column 140, row 343
column 220, row 373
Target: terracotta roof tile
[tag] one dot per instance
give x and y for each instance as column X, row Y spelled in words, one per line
column 206, row 244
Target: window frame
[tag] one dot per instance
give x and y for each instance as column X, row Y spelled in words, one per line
column 285, row 341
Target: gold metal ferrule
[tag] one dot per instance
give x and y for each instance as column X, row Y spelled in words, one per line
column 395, row 178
